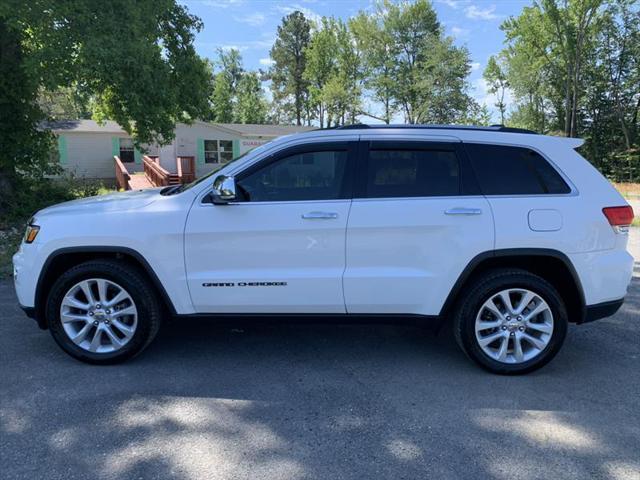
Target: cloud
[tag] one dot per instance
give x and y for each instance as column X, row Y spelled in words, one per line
column 222, row 3
column 254, row 19
column 476, row 13
column 307, row 12
column 460, row 32
column 267, row 62
column 455, row 4
column 240, row 48
column 475, row 66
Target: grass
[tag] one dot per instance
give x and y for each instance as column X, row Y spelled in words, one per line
column 628, row 190
column 32, row 196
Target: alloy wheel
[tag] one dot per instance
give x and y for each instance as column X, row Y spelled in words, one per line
column 514, row 325
column 98, row 315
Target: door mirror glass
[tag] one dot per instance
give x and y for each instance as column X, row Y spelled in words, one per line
column 224, row 190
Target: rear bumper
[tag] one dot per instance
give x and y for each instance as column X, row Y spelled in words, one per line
column 601, row 310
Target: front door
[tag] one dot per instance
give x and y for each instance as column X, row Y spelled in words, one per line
column 416, row 221
column 281, row 247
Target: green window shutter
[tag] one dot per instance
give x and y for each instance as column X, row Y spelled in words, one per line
column 200, row 158
column 115, row 146
column 62, row 149
column 236, row 148
column 137, row 156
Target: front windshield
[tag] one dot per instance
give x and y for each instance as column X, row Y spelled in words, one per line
column 197, row 181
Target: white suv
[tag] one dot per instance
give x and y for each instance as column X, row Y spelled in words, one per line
column 509, row 234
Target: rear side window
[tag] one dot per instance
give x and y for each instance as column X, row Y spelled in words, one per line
column 503, row 170
column 412, row 173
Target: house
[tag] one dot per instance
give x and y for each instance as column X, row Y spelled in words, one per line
column 88, row 148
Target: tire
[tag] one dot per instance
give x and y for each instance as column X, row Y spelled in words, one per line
column 132, row 323
column 476, row 322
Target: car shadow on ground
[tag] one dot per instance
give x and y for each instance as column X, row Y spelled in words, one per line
column 319, row 401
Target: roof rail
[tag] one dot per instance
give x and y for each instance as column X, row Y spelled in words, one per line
column 492, row 128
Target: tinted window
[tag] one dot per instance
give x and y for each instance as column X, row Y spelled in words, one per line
column 303, row 176
column 412, row 173
column 505, row 170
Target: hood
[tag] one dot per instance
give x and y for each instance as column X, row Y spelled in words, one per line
column 112, row 202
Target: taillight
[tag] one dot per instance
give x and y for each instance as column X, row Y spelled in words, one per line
column 619, row 217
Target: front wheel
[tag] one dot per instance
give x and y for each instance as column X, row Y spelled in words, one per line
column 511, row 322
column 103, row 311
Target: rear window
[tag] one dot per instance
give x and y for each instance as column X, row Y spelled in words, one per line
column 503, row 170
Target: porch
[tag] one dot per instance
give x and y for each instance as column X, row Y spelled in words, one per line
column 154, row 174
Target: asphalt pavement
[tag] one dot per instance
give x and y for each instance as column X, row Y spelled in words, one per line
column 318, row 402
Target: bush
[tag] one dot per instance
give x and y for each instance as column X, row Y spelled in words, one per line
column 32, row 195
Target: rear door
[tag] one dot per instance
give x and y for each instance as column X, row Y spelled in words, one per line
column 416, row 220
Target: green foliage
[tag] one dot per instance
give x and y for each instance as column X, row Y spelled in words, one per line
column 290, row 88
column 36, row 194
column 251, row 106
column 410, row 66
column 496, row 78
column 136, row 61
column 222, row 99
column 574, row 70
column 237, row 94
column 65, row 103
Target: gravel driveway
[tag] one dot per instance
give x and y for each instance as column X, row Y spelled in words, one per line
column 325, row 402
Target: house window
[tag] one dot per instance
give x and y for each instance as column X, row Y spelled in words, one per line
column 126, row 150
column 218, row 151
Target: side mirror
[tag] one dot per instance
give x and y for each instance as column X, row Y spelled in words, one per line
column 224, row 190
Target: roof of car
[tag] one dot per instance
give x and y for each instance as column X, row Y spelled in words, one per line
column 492, row 128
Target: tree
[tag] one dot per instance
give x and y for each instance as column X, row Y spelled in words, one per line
column 251, row 106
column 573, row 69
column 143, row 72
column 222, row 99
column 496, row 79
column 321, row 65
column 378, row 61
column 290, row 89
column 67, row 102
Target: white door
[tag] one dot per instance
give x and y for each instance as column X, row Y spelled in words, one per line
column 416, row 221
column 281, row 247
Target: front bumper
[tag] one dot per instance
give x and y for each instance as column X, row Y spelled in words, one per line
column 601, row 310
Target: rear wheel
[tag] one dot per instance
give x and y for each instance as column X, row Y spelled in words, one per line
column 511, row 322
column 103, row 312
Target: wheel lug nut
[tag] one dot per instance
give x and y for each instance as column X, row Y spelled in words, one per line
column 96, row 323
column 512, row 334
column 91, row 313
column 98, row 306
column 508, row 317
column 107, row 312
column 519, row 318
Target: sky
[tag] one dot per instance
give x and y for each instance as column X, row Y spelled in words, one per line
column 250, row 26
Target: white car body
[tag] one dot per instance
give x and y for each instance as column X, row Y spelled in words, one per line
column 362, row 256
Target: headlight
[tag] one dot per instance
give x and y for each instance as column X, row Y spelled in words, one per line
column 31, row 233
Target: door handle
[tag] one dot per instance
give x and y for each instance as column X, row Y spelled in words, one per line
column 463, row 211
column 319, row 215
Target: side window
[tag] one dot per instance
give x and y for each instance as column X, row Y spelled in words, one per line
column 412, row 173
column 218, row 151
column 126, row 150
column 303, row 176
column 503, row 170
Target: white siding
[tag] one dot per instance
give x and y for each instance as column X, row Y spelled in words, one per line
column 89, row 155
column 186, row 142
